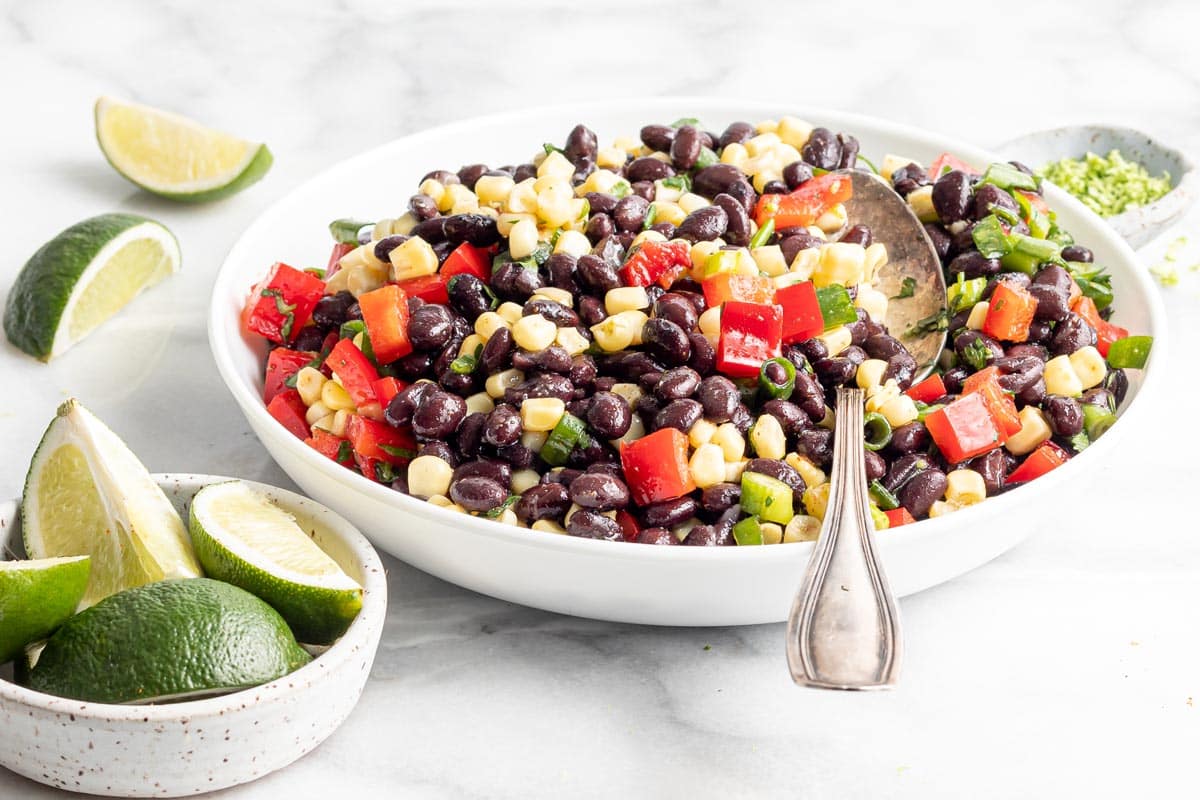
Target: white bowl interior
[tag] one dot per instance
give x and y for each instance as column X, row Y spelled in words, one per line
column 525, row 566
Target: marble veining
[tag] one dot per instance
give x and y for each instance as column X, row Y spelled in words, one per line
column 1065, row 668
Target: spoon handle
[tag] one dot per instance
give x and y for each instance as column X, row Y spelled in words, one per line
column 844, row 629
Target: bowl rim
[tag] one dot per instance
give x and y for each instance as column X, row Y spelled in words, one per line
column 1162, row 207
column 224, row 333
column 361, row 630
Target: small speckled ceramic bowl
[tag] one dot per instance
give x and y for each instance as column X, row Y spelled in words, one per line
column 1137, row 225
column 201, row 745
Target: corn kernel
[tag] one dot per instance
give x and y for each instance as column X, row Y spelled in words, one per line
column 506, row 379
column 480, row 402
column 631, row 392
column 735, row 154
column 690, row 202
column 834, row 219
column 767, row 437
column 702, row 432
column 610, row 158
column 523, row 480
column 1089, row 366
column 556, row 164
column 900, row 411
column 493, row 190
column 613, row 334
column 710, row 321
column 534, row 332
column 487, row 323
column 509, row 517
column 771, row 533
column 965, row 487
column 522, row 239
column 666, row 194
column 541, row 413
column 626, row 298
column 978, row 315
column 637, row 429
column 873, row 301
column 316, row 412
column 335, row 397
column 734, row 470
column 941, row 508
column 554, row 205
column 429, row 476
column 1034, row 431
column 744, row 263
column 794, row 131
column 841, row 262
column 340, row 418
column 805, row 262
column 757, row 145
column 523, row 198
column 921, row 201
column 881, row 395
column 815, row 500
column 892, row 162
column 836, row 339
column 647, row 236
column 325, row 423
column 875, row 258
column 870, row 373
column 548, row 526
column 573, row 243
column 707, row 466
column 1061, row 378
column 435, row 191
column 510, row 312
column 309, row 381
column 534, row 440
column 571, row 340
column 669, row 212
column 802, row 528
column 770, row 260
column 699, row 254
column 636, row 321
column 730, row 440
column 812, row 474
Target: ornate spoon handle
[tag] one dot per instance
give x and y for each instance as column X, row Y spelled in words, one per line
column 844, row 630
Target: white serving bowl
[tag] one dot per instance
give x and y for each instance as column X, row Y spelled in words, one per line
column 607, row 580
column 1138, row 225
column 199, row 746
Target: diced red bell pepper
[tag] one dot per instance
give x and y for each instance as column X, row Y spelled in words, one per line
column 385, row 313
column 379, row 441
column 282, row 302
column 928, row 390
column 964, row 429
column 430, row 288
column 899, row 516
column 657, row 262
column 335, row 448
column 801, row 312
column 945, row 163
column 387, row 388
column 751, row 333
column 804, row 206
column 733, row 286
column 289, row 410
column 339, row 250
column 986, row 383
column 656, row 466
column 282, row 364
column 358, row 376
column 1106, row 332
column 1046, row 457
column 629, row 525
column 467, row 260
column 1010, row 312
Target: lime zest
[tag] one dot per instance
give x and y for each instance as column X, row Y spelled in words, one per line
column 1108, row 185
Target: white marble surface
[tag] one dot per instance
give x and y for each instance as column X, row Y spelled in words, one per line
column 1065, row 668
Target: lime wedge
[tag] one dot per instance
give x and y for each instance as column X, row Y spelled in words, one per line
column 83, row 276
column 172, row 640
column 36, row 597
column 243, row 538
column 173, row 156
column 87, row 494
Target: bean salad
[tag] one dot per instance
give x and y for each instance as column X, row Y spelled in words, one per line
column 641, row 342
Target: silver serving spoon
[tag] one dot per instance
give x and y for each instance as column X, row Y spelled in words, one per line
column 844, row 629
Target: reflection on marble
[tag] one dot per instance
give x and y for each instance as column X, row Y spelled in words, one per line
column 1067, row 667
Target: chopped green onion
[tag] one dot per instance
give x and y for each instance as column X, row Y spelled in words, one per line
column 869, row 163
column 990, row 238
column 964, row 294
column 550, row 148
column 836, row 306
column 1132, row 351
column 908, row 287
column 621, row 189
column 763, row 234
column 924, row 409
column 938, row 321
column 1079, row 442
column 1097, row 420
column 351, row 328
column 1027, row 254
column 1093, row 282
column 398, row 452
column 1060, row 236
column 345, row 453
column 681, row 182
column 707, row 158
column 748, row 531
column 720, row 261
column 494, row 513
column 384, row 472
column 778, row 390
column 1008, row 177
column 882, row 497
column 464, row 364
column 563, row 439
column 1005, row 214
column 679, row 123
column 651, row 213
column 879, row 519
column 877, row 431
column 345, row 231
column 1040, row 223
column 977, row 354
column 767, row 497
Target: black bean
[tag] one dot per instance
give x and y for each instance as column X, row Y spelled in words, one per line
column 719, row 497
column 857, row 234
column 883, row 346
column 901, row 368
column 718, row 398
column 471, row 173
column 1026, row 349
column 476, row 229
column 993, row 467
column 554, row 358
column 559, row 314
column 1078, row 253
column 849, row 151
column 972, row 264
column 442, row 176
column 685, row 148
column 1018, row 372
column 430, row 327
column 1117, row 383
column 458, row 383
column 835, row 371
column 1071, row 334
column 1014, row 279
column 791, row 418
column 599, row 226
column 431, row 230
column 520, row 456
column 939, row 238
column 644, row 190
column 400, row 409
column 704, row 356
column 599, row 491
column 741, row 418
column 774, row 187
column 583, row 371
column 705, row 224
column 909, row 178
column 736, row 133
column 468, row 296
column 1064, row 414
column 1041, row 331
column 609, row 415
column 855, row 354
column 822, row 150
column 503, row 426
column 677, row 384
column 817, row 444
column 442, row 450
column 422, row 207
column 438, row 415
column 1033, row 394
column 1101, row 398
column 470, row 434
column 717, row 179
column 988, row 195
column 952, row 196
column 331, row 310
column 544, row 501
column 514, row 281
column 658, row 137
column 581, row 144
column 385, row 246
column 497, row 353
column 560, row 267
column 791, row 245
column 656, row 536
column 920, row 493
column 679, row 414
column 737, row 230
column 796, row 173
column 678, row 309
column 972, row 341
column 666, row 341
column 875, row 466
column 715, row 535
column 596, row 274
column 594, row 525
column 629, row 365
column 809, row 395
column 909, row 438
column 591, row 310
column 498, row 471
column 648, row 169
column 477, row 493
column 1052, row 302
column 309, row 339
